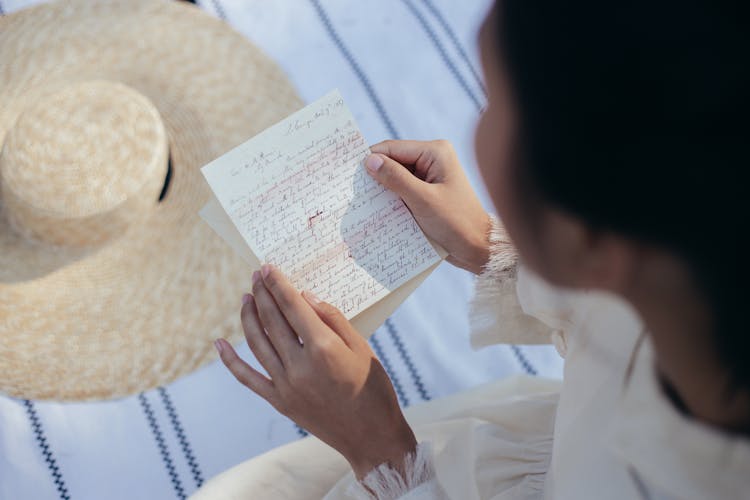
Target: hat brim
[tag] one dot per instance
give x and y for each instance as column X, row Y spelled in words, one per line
column 143, row 308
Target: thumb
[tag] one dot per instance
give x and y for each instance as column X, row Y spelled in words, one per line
column 396, row 177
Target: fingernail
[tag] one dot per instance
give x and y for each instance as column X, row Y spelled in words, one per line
column 312, row 297
column 256, row 276
column 265, row 269
column 374, row 162
column 218, row 346
column 246, row 298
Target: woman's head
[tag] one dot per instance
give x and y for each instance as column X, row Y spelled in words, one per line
column 623, row 133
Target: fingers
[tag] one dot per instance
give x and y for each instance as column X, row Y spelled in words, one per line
column 282, row 336
column 397, row 178
column 258, row 341
column 244, row 373
column 402, row 151
column 335, row 320
column 295, row 310
column 431, row 159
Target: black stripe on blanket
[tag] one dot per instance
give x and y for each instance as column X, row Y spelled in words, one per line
column 187, row 451
column 443, row 54
column 410, row 366
column 219, row 10
column 386, row 362
column 364, row 80
column 49, row 457
column 162, row 446
column 438, row 15
column 523, row 360
column 302, row 432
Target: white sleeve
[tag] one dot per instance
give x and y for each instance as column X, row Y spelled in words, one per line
column 495, row 315
column 417, row 483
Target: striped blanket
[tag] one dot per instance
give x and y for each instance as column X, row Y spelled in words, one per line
column 407, row 69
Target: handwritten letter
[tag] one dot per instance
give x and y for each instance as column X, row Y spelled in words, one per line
column 300, row 197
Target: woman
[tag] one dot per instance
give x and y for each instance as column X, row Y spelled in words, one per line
column 611, row 147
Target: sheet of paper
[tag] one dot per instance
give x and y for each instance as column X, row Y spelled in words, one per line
column 365, row 322
column 300, row 197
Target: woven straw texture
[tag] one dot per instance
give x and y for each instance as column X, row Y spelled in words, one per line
column 104, row 291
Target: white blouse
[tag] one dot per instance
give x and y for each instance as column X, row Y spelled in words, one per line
column 607, row 431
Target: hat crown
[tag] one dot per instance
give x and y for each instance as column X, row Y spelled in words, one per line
column 83, row 163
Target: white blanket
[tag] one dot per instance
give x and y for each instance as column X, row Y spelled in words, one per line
column 408, row 69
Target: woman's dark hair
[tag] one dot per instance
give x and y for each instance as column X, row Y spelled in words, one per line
column 634, row 118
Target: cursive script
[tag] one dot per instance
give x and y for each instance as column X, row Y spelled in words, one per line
column 300, row 197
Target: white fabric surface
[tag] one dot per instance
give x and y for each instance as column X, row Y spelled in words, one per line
column 607, row 432
column 492, row 438
column 136, row 447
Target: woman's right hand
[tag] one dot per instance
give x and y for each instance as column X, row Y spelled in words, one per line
column 430, row 180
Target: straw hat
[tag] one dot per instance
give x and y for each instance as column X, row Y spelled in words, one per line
column 104, row 289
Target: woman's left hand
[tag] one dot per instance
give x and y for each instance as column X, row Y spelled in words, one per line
column 323, row 374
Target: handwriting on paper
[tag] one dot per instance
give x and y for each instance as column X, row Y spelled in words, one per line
column 301, row 199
